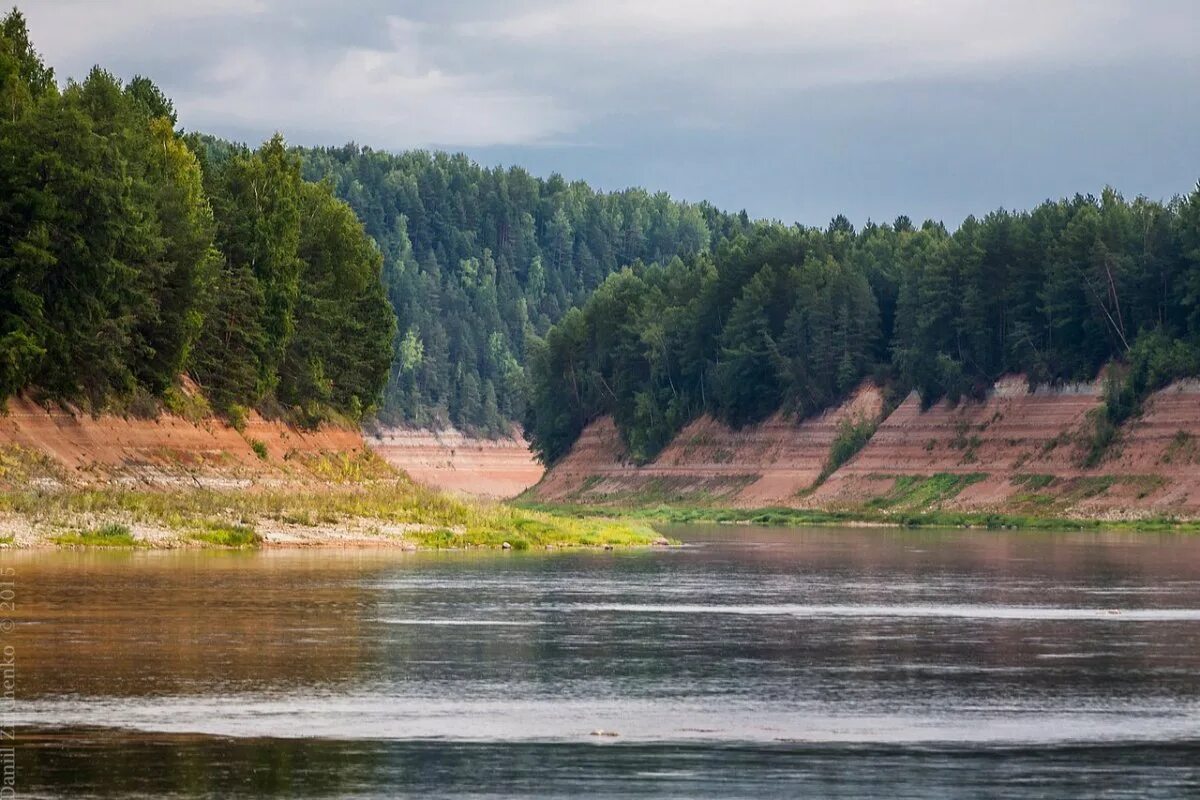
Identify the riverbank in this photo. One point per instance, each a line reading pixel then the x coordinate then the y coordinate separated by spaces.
pixel 1020 452
pixel 395 513
pixel 175 480
pixel 859 517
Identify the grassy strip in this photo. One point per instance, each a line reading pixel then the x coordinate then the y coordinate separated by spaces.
pixel 917 491
pixel 872 516
pixel 230 518
pixel 111 535
pixel 235 537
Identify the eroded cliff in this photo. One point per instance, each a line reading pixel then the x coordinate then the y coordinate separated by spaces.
pixel 1020 450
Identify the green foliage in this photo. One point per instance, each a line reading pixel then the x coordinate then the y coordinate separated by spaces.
pixel 852 435
pixel 188 405
pixel 768 321
pixel 919 492
pixel 1033 482
pixel 341 350
pixel 237 416
pixel 124 264
pixel 110 535
pixel 130 255
pixel 236 537
pixel 479 263
pixel 106 240
pixel 260 448
pixel 793 318
pixel 229 518
pixel 1183 449
pixel 930 518
pixel 1154 361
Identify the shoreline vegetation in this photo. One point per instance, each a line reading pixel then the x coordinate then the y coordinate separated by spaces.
pixel 391 514
pixel 857 517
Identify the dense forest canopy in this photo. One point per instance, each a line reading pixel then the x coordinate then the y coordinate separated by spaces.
pixel 478 262
pixel 126 261
pixel 794 318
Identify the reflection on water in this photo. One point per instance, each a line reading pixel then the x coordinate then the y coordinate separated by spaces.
pixel 752 662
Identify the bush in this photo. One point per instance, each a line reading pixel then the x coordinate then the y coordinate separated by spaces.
pixel 260 448
pixel 1154 361
pixel 111 535
pixel 232 536
pixel 142 405
pixel 237 417
pixel 192 407
pixel 852 436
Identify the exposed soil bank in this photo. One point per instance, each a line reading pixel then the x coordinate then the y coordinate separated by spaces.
pixel 708 461
pixel 453 462
pixel 1017 452
pixel 59 445
pixel 69 479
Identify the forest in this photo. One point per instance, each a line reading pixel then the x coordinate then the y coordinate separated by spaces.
pixel 794 318
pixel 307 283
pixel 132 255
pixel 479 262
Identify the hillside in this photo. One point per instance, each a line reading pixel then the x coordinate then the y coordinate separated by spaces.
pixel 479 262
pixel 1015 452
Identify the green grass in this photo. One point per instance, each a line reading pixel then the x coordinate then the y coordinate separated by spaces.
pixel 1033 481
pixel 1034 501
pixel 916 492
pixel 110 535
pixel 1088 487
pixel 659 490
pixel 228 518
pixel 237 537
pixel 913 519
pixel 589 483
pixel 260 448
pixel 683 514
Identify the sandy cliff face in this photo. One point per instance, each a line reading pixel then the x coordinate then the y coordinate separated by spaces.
pixel 1164 445
pixel 51 445
pixel 450 461
pixel 1014 431
pixel 75 447
pixel 755 466
pixel 1017 451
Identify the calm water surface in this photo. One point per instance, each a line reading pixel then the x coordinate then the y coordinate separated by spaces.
pixel 751 663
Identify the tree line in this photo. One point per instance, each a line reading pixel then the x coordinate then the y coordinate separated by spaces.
pixel 479 262
pixel 793 318
pixel 131 255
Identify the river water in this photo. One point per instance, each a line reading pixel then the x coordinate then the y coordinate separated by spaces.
pixel 748 663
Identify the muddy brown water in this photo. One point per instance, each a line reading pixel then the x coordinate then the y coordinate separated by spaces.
pixel 750 663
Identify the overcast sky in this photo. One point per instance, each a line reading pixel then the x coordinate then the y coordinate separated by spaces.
pixel 793 110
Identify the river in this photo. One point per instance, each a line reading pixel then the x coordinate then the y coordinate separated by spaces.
pixel 749 663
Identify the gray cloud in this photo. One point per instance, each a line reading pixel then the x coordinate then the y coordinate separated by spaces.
pixel 790 109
